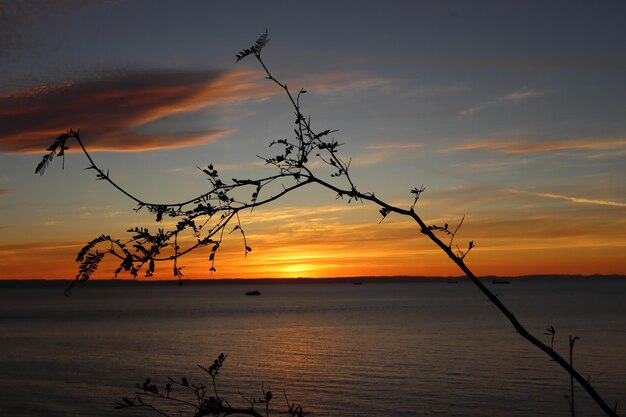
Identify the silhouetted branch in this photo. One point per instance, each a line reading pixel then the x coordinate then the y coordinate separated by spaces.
pixel 153 397
pixel 572 340
pixel 551 331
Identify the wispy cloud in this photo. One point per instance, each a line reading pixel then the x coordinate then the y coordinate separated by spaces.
pixel 380 153
pixel 50 223
pixel 578 200
pixel 339 82
pixel 5 192
pixel 13 248
pixel 491 145
pixel 116 111
pixel 111 109
pixel 559 146
pixel 395 146
pixel 286 214
pixel 513 97
pixel 516 147
pixel 616 153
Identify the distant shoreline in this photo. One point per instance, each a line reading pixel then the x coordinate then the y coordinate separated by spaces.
pixel 11 283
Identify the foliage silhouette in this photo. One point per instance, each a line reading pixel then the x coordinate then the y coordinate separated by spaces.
pixel 207 216
pixel 198 397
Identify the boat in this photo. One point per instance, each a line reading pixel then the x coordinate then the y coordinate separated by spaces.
pixel 357 283
pixel 255 292
pixel 500 281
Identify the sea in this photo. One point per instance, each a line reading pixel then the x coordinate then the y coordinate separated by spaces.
pixel 383 348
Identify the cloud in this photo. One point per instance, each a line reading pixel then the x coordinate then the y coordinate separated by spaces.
pixel 387 152
pixel 115 112
pixel 513 97
pixel 50 223
pixel 289 214
pixel 515 147
pixel 4 192
pixel 492 145
pixel 395 146
pixel 523 94
pixel 578 200
pixel 111 110
pixel 14 248
pixel 339 82
pixel 559 146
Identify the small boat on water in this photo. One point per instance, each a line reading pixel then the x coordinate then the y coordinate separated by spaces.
pixel 357 283
pixel 500 281
pixel 255 292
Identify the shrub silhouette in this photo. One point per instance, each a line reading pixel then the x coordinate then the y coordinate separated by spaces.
pixel 204 400
pixel 207 216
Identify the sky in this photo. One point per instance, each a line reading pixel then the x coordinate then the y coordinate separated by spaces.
pixel 511 114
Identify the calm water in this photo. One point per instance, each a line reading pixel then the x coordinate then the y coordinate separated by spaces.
pixel 423 349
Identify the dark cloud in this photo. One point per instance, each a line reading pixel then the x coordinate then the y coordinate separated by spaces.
pixel 111 110
pixel 119 111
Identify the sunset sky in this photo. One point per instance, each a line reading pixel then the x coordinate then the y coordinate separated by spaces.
pixel 510 113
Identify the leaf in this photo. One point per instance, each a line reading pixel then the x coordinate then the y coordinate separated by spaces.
pixel 261 41
pixel 244 53
pixel 81 254
pixel 254 49
pixel 146 384
pixel 89 266
pixel 45 161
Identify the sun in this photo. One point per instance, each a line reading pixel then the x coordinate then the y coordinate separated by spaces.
pixel 296 270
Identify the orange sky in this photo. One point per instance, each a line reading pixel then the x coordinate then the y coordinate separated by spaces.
pixel 339 240
pixel 521 131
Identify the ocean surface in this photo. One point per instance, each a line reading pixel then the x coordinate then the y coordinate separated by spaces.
pixel 396 349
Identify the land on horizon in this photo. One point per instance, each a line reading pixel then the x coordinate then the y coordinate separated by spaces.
pixel 307 280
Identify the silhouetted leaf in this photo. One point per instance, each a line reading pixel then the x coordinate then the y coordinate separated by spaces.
pixel 81 254
pixel 254 49
pixel 88 266
pixel 45 161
